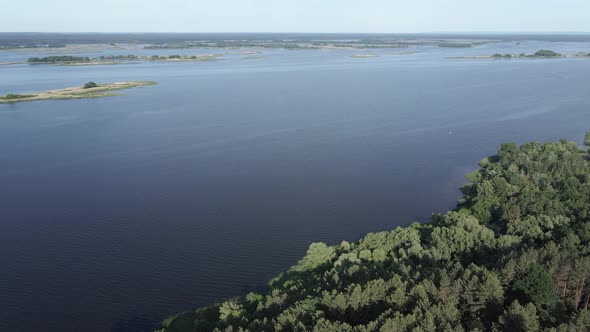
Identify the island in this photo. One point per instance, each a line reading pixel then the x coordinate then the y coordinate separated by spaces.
pixel 536 55
pixel 88 90
pixel 68 60
pixel 513 256
pixel 587 139
pixel 184 58
pixel 58 59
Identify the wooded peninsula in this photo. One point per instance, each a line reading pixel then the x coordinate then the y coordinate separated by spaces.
pixel 513 256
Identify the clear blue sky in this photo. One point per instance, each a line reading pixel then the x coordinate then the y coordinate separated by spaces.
pixel 296 15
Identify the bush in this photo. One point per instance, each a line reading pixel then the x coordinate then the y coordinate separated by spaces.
pixel 547 53
pixel 90 85
pixel 15 96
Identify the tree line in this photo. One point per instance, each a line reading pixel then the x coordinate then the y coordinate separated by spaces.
pixel 59 58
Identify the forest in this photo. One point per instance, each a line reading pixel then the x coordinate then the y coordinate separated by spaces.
pixel 513 256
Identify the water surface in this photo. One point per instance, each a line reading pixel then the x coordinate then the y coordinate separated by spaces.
pixel 120 210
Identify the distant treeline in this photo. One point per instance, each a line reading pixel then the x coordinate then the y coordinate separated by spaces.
pixel 11 47
pixel 538 54
pixel 60 58
pixel 118 57
pixel 182 57
pixel 498 55
pixel 69 58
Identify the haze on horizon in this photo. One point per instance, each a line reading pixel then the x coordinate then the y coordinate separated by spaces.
pixel 330 16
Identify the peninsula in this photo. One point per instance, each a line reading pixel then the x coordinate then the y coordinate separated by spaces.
pixel 89 90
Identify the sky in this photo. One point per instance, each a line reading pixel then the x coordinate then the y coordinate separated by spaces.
pixel 385 16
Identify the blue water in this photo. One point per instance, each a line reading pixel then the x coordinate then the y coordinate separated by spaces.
pixel 119 211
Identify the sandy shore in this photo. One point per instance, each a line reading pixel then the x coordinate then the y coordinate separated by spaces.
pixel 364 56
pixel 102 90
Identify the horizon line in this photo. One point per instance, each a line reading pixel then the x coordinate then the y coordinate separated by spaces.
pixel 296 32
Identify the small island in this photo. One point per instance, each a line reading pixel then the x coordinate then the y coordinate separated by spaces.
pixel 183 58
pixel 88 90
pixel 68 60
pixel 537 55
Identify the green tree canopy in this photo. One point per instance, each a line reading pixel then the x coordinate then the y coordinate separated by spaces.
pixel 536 286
